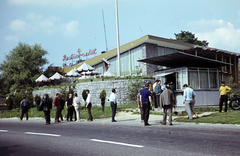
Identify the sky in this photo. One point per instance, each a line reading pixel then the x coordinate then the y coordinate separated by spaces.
pixel 63 26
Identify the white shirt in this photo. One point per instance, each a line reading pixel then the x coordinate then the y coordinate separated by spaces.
pixel 89 98
pixel 76 101
pixel 113 98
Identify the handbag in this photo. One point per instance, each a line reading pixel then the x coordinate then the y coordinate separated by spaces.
pixel 45 109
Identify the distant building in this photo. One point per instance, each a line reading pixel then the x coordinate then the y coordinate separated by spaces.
pixel 173 61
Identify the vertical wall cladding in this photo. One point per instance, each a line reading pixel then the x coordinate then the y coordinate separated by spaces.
pixel 149 50
pixel 95 89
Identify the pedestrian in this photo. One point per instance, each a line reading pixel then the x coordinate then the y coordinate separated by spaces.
pixel 69 106
pixel 62 102
pixel 57 107
pixel 167 103
pixel 76 103
pixel 146 103
pixel 140 106
pixel 188 96
pixel 154 93
pixel 223 96
pixel 74 113
pixel 193 103
pixel 89 105
pixel 164 86
pixel 24 104
pixel 113 101
pixel 46 106
pixel 158 91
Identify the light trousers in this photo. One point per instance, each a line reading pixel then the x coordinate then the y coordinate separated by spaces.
pixel 77 109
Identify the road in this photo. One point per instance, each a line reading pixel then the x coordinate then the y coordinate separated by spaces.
pixel 126 137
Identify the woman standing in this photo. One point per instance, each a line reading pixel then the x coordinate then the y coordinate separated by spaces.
pixel 76 104
pixel 46 106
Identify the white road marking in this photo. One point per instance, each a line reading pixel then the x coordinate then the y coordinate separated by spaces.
pixel 3 130
pixel 42 134
pixel 117 143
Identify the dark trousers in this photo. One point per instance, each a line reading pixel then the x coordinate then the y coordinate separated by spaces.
pixel 155 100
pixel 60 114
pixel 145 109
pixel 47 116
pixel 89 111
pixel 158 100
pixel 74 112
pixel 57 112
pixel 24 111
pixel 70 113
pixel 223 98
pixel 114 109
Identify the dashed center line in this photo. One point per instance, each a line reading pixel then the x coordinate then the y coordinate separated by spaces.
pixel 3 130
pixel 117 143
pixel 46 134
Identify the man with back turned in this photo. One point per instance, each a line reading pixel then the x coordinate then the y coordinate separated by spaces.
pixel 146 103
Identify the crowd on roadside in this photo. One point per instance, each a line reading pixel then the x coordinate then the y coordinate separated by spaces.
pixel 162 96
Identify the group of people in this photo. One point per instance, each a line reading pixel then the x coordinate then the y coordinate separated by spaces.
pixel 72 105
pixel 163 98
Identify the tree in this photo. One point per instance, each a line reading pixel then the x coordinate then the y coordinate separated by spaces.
pixel 22 66
pixel 188 37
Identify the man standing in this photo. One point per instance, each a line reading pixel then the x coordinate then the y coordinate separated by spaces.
pixel 89 105
pixel 62 102
pixel 57 107
pixel 146 103
pixel 69 106
pixel 188 96
pixel 24 104
pixel 167 102
pixel 154 94
pixel 113 101
pixel 139 106
pixel 223 96
pixel 158 91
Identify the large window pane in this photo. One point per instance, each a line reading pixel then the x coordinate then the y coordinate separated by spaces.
pixel 124 60
pixel 203 79
pixel 136 54
pixel 181 78
pixel 113 65
pixel 193 79
pixel 213 79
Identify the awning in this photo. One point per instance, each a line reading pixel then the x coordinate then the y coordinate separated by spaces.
pixel 180 59
pixel 163 74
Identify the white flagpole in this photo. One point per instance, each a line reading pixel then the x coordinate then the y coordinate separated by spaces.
pixel 118 43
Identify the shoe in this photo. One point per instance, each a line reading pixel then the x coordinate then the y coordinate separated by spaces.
pixel 170 124
pixel 197 116
pixel 142 121
pixel 114 121
pixel 162 123
pixel 20 119
pixel 147 124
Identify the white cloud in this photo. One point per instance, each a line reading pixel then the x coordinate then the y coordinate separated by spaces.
pixel 71 28
pixel 34 24
pixel 18 25
pixel 12 38
pixel 219 33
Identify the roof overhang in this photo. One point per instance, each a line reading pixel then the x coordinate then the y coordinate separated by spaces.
pixel 180 59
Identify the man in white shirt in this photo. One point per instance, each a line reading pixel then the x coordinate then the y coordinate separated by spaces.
pixel 113 101
pixel 89 105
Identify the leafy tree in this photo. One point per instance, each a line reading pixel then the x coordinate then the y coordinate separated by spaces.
pixel 188 37
pixel 103 97
pixel 22 66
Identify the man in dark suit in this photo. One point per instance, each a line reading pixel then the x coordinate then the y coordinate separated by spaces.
pixel 146 103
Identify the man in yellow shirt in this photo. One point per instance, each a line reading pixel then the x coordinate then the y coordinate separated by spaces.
pixel 223 96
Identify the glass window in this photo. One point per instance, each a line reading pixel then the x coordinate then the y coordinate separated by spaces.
pixel 161 51
pixel 203 75
pixel 99 68
pixel 193 79
pixel 169 51
pixel 181 78
pixel 113 65
pixel 213 79
pixel 124 62
pixel 136 54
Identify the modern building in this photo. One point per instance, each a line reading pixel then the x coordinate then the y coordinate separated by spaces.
pixel 174 61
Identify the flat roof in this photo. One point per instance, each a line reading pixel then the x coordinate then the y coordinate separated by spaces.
pixel 179 59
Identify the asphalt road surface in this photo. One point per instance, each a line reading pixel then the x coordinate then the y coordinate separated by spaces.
pixel 126 137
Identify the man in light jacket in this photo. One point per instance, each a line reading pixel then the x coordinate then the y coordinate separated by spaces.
pixel 167 102
pixel 113 101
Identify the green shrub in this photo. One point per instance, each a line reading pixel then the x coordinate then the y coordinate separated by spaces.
pixel 84 95
pixel 37 99
pixel 103 97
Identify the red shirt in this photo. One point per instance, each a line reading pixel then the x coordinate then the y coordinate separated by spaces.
pixel 56 101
